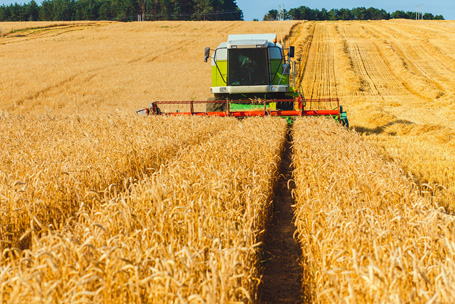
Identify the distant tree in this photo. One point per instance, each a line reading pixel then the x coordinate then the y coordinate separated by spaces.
pixel 302 13
pixel 166 9
pixel 203 9
pixel 385 15
pixel 127 10
pixel 5 13
pixel 410 15
pixel 271 15
pixel 63 10
pixel 183 9
pixel 32 11
pixel 376 14
pixel 141 5
pixel 428 16
pixel 19 12
pixel 45 12
pixel 323 14
pixel 345 14
pixel 294 14
pixel 232 11
pixel 399 15
pixel 107 10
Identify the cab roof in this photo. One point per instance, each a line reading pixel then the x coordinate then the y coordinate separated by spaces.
pixel 251 40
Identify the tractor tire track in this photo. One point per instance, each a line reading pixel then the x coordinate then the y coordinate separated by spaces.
pixel 391 58
pixel 47 32
pixel 370 63
pixel 416 59
pixel 282 278
pixel 151 56
pixel 428 35
pixel 356 54
pixel 422 57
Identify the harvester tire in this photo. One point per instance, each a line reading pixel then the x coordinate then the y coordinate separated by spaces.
pixel 345 122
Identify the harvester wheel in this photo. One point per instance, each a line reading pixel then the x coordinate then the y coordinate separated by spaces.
pixel 215 107
pixel 345 122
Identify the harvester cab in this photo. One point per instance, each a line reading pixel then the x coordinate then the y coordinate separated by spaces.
pixel 248 68
pixel 254 75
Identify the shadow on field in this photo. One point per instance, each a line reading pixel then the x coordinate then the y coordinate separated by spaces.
pixel 381 129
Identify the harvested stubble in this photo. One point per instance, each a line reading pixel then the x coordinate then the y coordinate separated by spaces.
pixel 396 80
pixel 426 153
pixel 187 234
pixel 51 164
pixel 366 234
pixel 31 27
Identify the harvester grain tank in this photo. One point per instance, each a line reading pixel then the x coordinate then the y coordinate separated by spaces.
pixel 254 75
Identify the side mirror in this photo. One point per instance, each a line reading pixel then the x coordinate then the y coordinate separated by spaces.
pixel 291 52
pixel 207 54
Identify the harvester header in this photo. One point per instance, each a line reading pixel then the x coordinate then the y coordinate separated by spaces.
pixel 254 75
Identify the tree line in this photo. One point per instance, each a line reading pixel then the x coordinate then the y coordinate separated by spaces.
pixel 122 10
pixel 358 13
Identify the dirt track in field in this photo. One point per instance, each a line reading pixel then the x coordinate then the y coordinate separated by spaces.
pixel 282 278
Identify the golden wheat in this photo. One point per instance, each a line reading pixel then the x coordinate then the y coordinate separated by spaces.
pixel 99 207
pixel 366 233
pixel 51 164
pixel 20 29
pixel 396 80
pixel 190 232
pixel 103 66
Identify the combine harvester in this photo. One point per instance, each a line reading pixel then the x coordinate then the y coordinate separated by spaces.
pixel 251 76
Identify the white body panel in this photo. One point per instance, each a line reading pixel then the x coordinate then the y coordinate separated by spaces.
pixel 250 89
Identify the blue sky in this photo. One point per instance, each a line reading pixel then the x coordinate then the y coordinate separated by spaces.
pixel 258 8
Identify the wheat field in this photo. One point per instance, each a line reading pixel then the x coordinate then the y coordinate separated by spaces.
pixel 366 233
pixel 100 206
pixel 182 225
pixel 102 67
pixel 396 79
